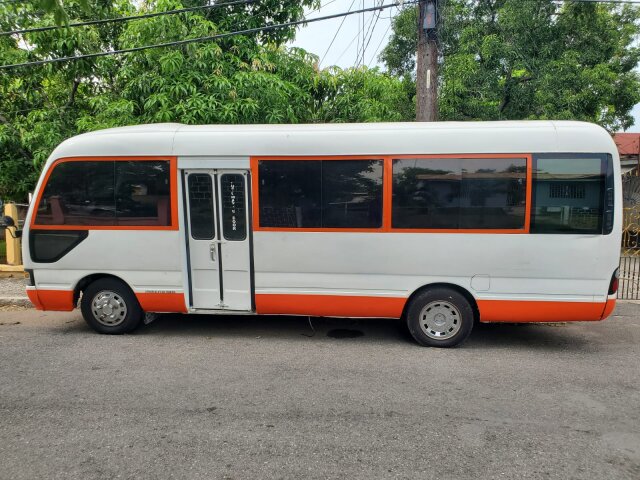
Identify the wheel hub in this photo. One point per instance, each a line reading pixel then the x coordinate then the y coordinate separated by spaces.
pixel 108 308
pixel 440 320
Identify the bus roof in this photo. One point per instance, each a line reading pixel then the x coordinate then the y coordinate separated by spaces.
pixel 173 139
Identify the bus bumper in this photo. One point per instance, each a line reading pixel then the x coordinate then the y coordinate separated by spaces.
pixel 58 300
pixel 609 306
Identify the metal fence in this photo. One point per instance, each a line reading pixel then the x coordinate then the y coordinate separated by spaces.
pixel 629 287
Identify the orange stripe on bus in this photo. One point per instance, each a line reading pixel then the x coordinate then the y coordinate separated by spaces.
pixel 329 305
pixel 33 298
pixel 162 302
pixel 517 311
pixel 608 308
pixel 56 300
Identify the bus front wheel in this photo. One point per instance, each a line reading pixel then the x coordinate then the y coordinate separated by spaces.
pixel 440 317
pixel 109 306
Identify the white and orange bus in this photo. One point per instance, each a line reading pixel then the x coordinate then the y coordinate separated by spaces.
pixel 440 224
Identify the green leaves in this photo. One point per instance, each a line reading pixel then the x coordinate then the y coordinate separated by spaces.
pixel 239 79
pixel 514 59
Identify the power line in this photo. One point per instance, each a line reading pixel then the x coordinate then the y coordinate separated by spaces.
pixel 321 7
pixel 337 31
pixel 347 48
pixel 197 40
pixel 621 2
pixel 363 33
pixel 370 31
pixel 129 18
pixel 379 45
pixel 361 30
pixel 360 27
pixel 360 46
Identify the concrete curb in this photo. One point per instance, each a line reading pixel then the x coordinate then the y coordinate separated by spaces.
pixel 15 301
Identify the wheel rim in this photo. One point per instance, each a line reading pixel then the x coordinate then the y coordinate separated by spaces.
pixel 440 320
pixel 108 308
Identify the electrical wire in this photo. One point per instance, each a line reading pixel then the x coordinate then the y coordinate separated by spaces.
pixel 372 29
pixel 129 18
pixel 336 34
pixel 266 28
pixel 347 48
pixel 621 2
pixel 321 7
pixel 384 35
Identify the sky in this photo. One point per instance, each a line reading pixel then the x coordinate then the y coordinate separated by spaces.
pixel 346 50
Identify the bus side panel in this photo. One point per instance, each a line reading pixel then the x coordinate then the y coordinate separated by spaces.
pixel 150 262
pixel 566 277
pixel 521 311
pixel 609 307
pixel 330 305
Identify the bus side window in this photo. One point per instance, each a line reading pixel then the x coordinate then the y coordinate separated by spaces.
pixel 569 193
pixel 107 193
pixel 78 193
pixel 234 214
pixel 201 206
pixel 320 193
pixel 459 193
pixel 142 193
pixel 609 198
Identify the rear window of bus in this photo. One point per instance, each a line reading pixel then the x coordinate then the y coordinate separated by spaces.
pixel 570 194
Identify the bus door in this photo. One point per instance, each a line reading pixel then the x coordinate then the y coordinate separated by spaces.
pixel 218 239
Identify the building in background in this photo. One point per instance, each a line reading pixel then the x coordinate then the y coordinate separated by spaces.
pixel 629 150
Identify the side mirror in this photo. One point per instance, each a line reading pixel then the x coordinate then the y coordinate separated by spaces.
pixel 7 222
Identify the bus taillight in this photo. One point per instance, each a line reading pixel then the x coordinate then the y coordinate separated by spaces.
pixel 613 286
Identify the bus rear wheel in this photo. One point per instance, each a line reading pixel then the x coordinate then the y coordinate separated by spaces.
pixel 440 317
pixel 109 306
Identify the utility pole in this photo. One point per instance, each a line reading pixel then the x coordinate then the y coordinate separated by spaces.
pixel 427 62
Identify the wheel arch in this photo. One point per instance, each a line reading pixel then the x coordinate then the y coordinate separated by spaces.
pixel 461 290
pixel 87 280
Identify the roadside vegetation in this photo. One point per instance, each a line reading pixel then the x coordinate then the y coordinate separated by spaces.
pixel 503 59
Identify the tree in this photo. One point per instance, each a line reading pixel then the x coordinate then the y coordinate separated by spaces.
pixel 511 59
pixel 239 79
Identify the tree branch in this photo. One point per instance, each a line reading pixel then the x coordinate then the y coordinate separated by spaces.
pixel 507 90
pixel 72 95
pixel 21 150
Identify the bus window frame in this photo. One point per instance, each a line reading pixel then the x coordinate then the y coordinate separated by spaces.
pixel 606 166
pixel 387 192
pixel 173 194
pixel 255 196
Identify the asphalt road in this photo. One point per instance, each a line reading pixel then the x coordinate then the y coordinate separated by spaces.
pixel 244 397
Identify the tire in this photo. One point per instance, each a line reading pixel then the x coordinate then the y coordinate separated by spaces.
pixel 440 317
pixel 122 312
